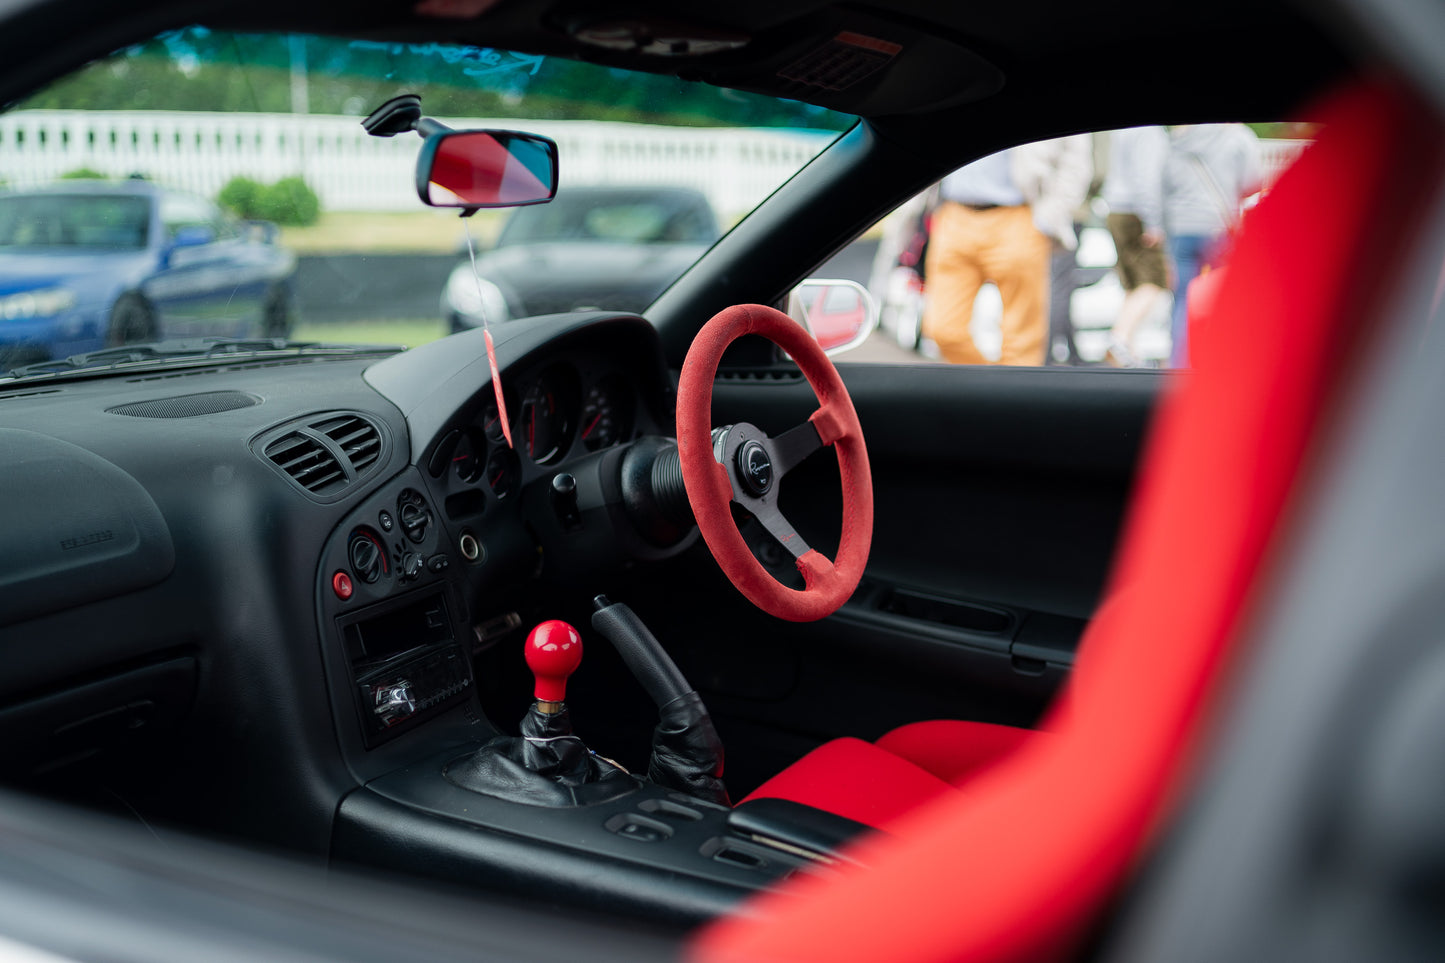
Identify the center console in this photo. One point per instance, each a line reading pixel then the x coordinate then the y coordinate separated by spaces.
pixel 443 794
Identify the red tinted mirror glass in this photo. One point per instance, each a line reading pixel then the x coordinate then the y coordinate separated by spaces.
pixel 488 168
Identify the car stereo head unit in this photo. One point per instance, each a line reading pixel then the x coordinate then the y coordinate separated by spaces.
pixel 405 664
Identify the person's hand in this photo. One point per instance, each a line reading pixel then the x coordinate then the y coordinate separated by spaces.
pixel 1152 238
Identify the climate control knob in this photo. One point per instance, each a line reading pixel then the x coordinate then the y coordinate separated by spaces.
pixel 366 555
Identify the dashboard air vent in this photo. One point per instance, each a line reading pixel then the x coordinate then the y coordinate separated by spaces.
pixel 309 463
pixel 357 438
pixel 325 454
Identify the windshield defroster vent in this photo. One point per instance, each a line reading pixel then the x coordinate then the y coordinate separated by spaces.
pixel 326 454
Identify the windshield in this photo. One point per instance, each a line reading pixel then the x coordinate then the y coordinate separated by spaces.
pixel 279 216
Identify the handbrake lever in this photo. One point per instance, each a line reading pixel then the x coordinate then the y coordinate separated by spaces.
pixel 687 754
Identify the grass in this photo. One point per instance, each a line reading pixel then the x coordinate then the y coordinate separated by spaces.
pixel 426 231
pixel 410 332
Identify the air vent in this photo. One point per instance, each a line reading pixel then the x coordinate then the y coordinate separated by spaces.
pixel 357 438
pixel 187 406
pixel 326 454
pixel 309 463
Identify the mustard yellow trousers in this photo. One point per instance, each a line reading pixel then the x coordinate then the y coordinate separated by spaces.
pixel 968 247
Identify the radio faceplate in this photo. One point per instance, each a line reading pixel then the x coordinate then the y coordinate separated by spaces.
pixel 404 662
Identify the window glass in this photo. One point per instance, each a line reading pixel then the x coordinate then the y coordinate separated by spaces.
pixel 1078 251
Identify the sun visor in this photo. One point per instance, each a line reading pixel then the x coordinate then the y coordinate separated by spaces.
pixel 76 528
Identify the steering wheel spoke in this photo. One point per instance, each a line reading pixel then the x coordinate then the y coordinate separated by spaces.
pixel 789 449
pixel 780 528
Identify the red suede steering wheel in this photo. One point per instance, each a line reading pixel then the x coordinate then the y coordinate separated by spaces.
pixel 741 464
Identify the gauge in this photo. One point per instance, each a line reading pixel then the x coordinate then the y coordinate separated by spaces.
pixel 606 414
pixel 502 472
pixel 545 426
pixel 467 458
pixel 492 425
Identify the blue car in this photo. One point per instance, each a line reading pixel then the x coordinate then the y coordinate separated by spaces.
pixel 90 264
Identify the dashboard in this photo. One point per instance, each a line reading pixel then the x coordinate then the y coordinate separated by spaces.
pixel 264 598
pixel 230 562
pixel 424 572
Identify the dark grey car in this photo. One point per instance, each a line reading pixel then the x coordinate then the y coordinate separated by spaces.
pixel 615 248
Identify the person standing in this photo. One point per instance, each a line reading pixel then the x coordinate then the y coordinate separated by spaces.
pixel 997 220
pixel 1134 192
pixel 1057 176
pixel 1211 168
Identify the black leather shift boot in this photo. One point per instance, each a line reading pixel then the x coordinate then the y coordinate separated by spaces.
pixel 545 766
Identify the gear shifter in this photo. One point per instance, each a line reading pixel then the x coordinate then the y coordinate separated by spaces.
pixel 553 653
pixel 546 765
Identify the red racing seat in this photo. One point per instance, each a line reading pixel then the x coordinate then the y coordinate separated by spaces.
pixel 877 782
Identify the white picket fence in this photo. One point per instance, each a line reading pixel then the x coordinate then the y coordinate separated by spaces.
pixel 352 171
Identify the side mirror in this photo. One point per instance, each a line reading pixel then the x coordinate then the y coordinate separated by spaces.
pixel 838 314
pixel 486 168
pixel 186 238
pixel 192 235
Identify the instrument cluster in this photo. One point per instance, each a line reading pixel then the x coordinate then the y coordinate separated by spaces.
pixel 553 414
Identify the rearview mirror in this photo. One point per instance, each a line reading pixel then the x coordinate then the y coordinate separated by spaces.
pixel 839 314
pixel 486 168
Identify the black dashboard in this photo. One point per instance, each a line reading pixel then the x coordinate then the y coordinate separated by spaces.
pixel 250 598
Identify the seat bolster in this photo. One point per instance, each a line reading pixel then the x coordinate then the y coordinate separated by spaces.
pixel 856 780
pixel 953 749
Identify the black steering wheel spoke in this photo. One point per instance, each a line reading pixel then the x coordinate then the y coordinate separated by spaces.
pixel 793 446
pixel 780 528
pixel 755 465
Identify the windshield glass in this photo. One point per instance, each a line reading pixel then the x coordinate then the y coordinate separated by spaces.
pixel 277 215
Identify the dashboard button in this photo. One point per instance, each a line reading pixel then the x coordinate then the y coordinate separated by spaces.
pixel 386 522
pixel 341 585
pixel 438 563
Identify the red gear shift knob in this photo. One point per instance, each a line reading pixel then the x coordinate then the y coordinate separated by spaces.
pixel 554 650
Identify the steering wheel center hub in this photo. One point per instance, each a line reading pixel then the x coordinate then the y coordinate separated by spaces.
pixel 755 468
